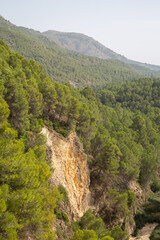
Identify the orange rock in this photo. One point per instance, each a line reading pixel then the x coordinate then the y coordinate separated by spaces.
pixel 70 169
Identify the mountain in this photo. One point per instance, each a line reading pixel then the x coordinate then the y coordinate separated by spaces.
pixel 88 46
pixel 83 44
pixel 62 65
pixel 119 128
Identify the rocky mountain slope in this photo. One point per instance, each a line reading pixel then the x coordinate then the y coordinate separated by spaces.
pixel 70 169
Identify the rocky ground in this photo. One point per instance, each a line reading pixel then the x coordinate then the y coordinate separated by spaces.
pixel 145 232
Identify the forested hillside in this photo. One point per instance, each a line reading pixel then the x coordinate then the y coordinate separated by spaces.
pixel 66 66
pixel 83 44
pixel 118 125
pixel 88 46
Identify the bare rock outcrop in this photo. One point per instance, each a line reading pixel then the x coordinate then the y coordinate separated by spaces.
pixel 70 169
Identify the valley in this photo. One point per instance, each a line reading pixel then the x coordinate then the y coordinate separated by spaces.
pixel 79 140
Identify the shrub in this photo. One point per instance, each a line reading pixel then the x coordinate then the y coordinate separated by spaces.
pixel 63 191
pixel 156 233
pixel 155 186
pixel 65 217
pixel 75 226
pixel 130 198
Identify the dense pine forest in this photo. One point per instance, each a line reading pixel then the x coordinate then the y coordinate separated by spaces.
pixel 119 126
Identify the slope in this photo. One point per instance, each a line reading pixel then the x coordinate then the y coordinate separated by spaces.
pixel 83 44
pixel 122 142
pixel 61 65
pixel 86 45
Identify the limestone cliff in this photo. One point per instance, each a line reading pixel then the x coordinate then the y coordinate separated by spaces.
pixel 70 168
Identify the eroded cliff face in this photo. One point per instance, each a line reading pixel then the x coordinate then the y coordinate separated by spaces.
pixel 70 169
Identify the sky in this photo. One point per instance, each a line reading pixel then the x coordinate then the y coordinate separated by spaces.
pixel 128 27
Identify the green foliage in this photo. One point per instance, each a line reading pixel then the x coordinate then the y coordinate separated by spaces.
pixel 4 112
pixel 75 226
pixel 107 238
pixel 135 126
pixel 121 136
pixel 140 219
pixel 140 95
pixel 118 234
pixel 58 213
pixel 27 200
pixel 65 217
pixel 77 43
pixel 8 222
pixel 155 186
pixel 91 222
pixel 150 213
pixel 84 235
pixel 115 207
pixel 148 167
pixel 31 201
pixel 155 235
pixel 32 96
pixel 86 219
pixel 63 191
pixel 59 232
pixel 65 66
pixel 61 128
pixel 131 198
pixel 94 228
pixel 61 215
pixel 108 159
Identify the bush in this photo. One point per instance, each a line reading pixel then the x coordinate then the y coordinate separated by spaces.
pixel 48 123
pixel 63 191
pixel 65 217
pixel 156 233
pixel 118 234
pixel 58 213
pixel 58 232
pixel 61 128
pixel 130 198
pixel 155 186
pixel 107 238
pixel 75 226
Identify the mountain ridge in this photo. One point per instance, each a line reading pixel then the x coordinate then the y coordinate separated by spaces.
pixel 62 65
pixel 89 46
pixel 62 38
pixel 56 39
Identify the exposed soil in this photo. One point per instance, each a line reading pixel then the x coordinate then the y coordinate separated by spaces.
pixel 145 232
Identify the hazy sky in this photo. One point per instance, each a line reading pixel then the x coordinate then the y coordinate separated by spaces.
pixel 128 27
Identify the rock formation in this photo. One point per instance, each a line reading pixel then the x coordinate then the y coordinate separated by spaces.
pixel 70 168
